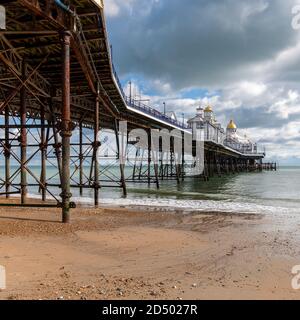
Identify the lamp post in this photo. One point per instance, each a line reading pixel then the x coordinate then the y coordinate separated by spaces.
pixel 130 92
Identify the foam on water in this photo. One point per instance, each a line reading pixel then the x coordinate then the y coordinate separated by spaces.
pixel 200 205
pixel 226 206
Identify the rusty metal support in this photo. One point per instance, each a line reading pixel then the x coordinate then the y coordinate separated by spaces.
pixel 7 153
pixel 155 160
pixel 66 130
pixel 96 146
pixel 43 149
pixel 156 175
pixel 23 83
pixel 57 144
pixel 23 137
pixel 80 158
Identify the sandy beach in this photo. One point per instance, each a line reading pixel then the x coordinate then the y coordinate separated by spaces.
pixel 133 253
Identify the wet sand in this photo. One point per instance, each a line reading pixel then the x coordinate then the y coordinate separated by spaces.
pixel 126 253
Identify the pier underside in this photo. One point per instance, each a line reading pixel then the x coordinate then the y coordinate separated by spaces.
pixel 58 89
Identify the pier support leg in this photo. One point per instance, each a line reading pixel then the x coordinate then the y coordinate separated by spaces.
pixel 80 158
pixel 211 164
pixel 23 138
pixel 121 157
pixel 260 165
pixel 43 150
pixel 96 146
pixel 227 165
pixel 66 131
pixel 206 168
pixel 182 159
pixel 57 144
pixel 7 153
pixel 142 152
pixel 149 158
pixel 171 173
pixel 161 168
pixel 177 164
pixel 232 166
pixel 135 164
pixel 218 166
pixel 156 175
pixel 155 159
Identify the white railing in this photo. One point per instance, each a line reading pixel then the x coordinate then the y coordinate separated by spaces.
pixel 214 134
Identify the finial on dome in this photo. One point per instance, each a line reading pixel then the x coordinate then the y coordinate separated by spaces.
pixel 208 108
pixel 231 125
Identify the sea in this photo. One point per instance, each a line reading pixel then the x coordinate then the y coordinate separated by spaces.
pixel 255 192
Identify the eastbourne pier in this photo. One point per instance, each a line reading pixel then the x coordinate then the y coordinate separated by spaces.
pixel 59 88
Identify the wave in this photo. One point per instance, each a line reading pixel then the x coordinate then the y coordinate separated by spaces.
pixel 201 205
pixel 225 206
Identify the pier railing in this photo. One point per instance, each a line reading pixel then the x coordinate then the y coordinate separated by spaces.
pixel 138 105
pixel 245 149
pixel 213 133
pixel 154 113
pixel 217 135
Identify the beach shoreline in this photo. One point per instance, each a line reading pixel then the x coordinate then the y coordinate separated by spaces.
pixel 134 253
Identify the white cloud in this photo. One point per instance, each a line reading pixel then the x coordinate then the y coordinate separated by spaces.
pixel 252 88
pixel 112 8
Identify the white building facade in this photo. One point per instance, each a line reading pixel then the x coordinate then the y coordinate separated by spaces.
pixel 205 127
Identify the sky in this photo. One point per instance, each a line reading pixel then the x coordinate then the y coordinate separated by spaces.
pixel 242 57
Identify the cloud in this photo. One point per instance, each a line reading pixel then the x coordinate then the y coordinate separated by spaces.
pixel 243 54
pixel 112 8
pixel 205 43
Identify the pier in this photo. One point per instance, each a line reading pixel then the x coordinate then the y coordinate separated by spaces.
pixel 59 89
pixel 269 166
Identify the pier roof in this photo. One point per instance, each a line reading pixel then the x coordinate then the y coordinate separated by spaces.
pixel 34 33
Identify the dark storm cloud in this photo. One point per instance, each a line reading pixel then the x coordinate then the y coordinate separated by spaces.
pixel 200 43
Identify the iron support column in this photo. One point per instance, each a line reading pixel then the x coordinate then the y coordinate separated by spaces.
pixel 121 158
pixel 96 146
pixel 80 159
pixel 43 153
pixel 66 131
pixel 23 137
pixel 155 160
pixel 7 153
pixel 149 157
pixel 183 158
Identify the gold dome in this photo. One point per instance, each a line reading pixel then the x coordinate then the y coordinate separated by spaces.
pixel 208 109
pixel 231 125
